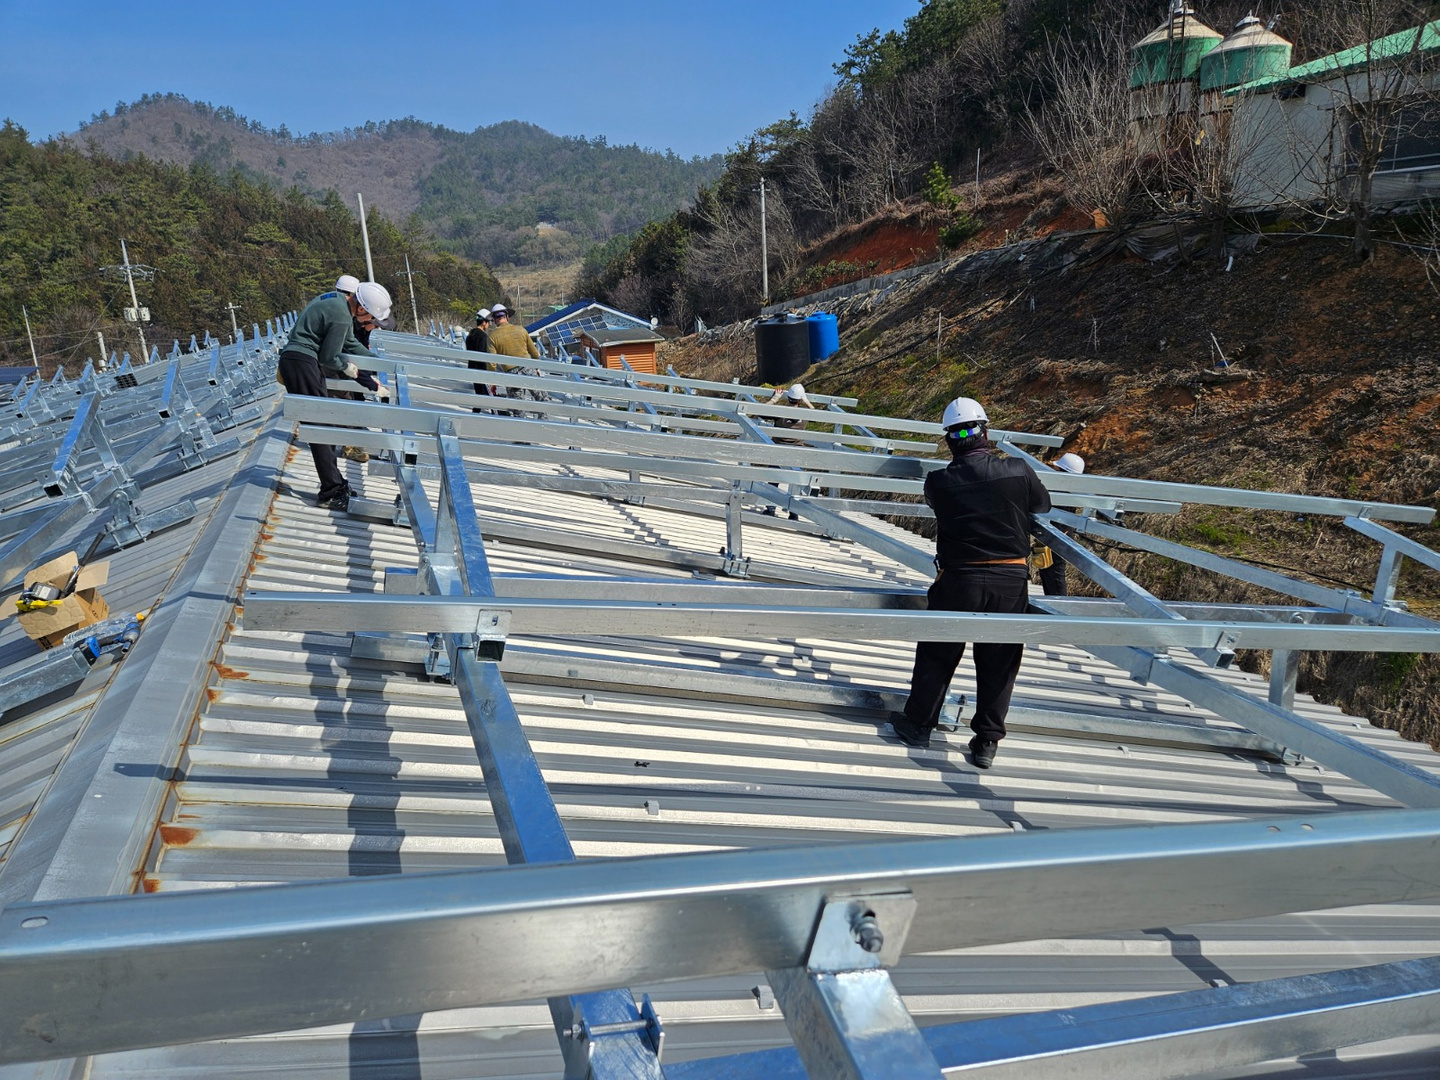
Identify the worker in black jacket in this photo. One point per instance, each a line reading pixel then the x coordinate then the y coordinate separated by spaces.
pixel 478 340
pixel 983 504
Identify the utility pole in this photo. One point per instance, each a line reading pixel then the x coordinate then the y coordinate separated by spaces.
pixel 233 307
pixel 365 235
pixel 141 315
pixel 977 177
pixel 104 356
pixel 35 359
pixel 410 278
pixel 764 251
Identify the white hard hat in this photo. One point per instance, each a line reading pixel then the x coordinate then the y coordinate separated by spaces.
pixel 499 309
pixel 482 314
pixel 964 411
pixel 1071 463
pixel 374 298
pixel 796 393
pixel 347 283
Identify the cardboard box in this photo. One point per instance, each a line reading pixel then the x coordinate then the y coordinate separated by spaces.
pixel 83 607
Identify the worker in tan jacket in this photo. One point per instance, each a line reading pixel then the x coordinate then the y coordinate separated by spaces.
pixel 508 339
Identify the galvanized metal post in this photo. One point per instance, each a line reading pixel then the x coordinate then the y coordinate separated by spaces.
pixel 844 1014
pixel 1284 670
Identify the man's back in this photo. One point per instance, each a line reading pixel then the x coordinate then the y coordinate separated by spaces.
pixel 982 505
pixel 477 340
pixel 507 339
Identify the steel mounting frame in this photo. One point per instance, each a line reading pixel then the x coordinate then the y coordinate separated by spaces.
pixel 826 924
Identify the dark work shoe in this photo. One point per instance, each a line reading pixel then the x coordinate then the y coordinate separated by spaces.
pixel 339 500
pixel 908 733
pixel 982 752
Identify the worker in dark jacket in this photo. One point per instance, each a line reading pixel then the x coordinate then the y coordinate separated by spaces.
pixel 983 504
pixel 478 340
pixel 323 336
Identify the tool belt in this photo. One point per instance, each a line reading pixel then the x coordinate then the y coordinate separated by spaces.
pixel 983 564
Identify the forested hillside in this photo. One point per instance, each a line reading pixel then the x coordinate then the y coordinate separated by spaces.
pixel 213 238
pixel 1034 89
pixel 507 193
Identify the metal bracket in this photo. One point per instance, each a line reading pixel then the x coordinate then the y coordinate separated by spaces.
pixel 437 661
pixel 734 566
pixel 129 526
pixel 861 933
pixel 648 1023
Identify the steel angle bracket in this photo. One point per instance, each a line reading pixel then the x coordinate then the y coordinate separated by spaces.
pixel 389 513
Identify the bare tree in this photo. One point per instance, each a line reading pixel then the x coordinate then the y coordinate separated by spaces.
pixel 634 293
pixel 1083 128
pixel 724 258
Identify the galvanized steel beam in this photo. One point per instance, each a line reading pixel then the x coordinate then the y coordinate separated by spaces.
pixel 1162 1038
pixel 95 976
pixel 331 611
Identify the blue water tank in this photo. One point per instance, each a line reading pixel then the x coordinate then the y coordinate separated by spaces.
pixel 824 336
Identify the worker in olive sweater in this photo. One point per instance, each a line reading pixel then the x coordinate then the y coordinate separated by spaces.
pixel 508 339
pixel 323 336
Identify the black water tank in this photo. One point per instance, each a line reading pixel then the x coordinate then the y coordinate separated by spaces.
pixel 782 347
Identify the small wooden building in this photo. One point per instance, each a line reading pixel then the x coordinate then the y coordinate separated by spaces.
pixel 635 347
pixel 559 332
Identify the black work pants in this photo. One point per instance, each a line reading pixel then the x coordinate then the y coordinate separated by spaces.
pixel 1052 577
pixel 302 375
pixel 999 589
pixel 480 387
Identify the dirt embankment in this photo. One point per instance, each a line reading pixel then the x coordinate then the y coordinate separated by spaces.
pixel 1332 388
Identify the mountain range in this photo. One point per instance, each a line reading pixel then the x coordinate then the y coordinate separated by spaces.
pixel 509 192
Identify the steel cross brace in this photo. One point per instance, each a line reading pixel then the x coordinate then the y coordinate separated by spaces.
pixel 1131 594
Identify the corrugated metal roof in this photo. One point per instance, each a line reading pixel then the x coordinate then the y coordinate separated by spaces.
pixel 1422 39
pixel 307 763
pixel 39 736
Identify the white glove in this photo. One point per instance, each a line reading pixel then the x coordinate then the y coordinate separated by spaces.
pixel 351 371
pixel 383 393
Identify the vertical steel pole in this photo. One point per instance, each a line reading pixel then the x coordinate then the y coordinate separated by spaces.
pixel 1386 575
pixel 1284 669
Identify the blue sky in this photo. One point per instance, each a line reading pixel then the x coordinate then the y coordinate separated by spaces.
pixel 695 78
